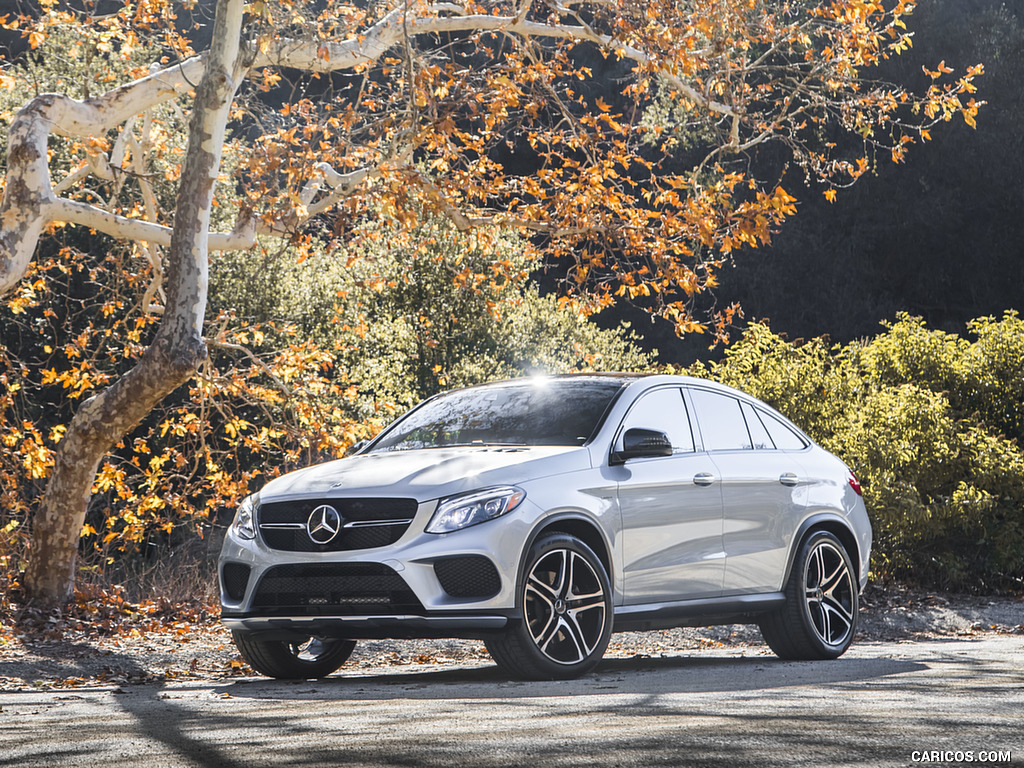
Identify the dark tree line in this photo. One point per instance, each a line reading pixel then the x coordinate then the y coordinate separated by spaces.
pixel 941 237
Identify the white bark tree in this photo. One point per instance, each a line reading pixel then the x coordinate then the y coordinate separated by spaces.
pixel 739 74
pixel 29 203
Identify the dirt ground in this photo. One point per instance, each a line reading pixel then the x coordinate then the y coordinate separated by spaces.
pixel 153 643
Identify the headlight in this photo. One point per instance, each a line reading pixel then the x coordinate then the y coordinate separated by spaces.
pixel 463 511
pixel 244 524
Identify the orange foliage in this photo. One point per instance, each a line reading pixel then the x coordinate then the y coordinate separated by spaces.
pixel 265 402
pixel 428 120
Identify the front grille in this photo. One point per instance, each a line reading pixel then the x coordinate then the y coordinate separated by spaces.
pixel 468 576
pixel 334 589
pixel 366 524
pixel 235 578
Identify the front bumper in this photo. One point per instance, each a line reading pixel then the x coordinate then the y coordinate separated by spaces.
pixel 423 585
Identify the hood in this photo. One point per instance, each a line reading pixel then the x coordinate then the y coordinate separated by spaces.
pixel 426 474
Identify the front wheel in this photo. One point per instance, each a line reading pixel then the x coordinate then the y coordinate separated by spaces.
pixel 566 613
pixel 301 659
pixel 819 618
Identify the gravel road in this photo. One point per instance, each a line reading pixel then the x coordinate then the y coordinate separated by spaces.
pixel 933 679
pixel 949 701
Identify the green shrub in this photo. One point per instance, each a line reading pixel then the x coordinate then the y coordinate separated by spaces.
pixel 999 385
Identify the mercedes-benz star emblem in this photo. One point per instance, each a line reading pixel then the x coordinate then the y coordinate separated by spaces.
pixel 323 524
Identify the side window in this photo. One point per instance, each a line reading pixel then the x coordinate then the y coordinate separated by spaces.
pixel 664 410
pixel 758 434
pixel 721 421
pixel 785 439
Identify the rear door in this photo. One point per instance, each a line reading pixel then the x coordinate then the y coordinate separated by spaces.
pixel 764 488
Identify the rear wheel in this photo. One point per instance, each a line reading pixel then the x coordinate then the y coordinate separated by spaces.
pixel 301 659
pixel 566 613
pixel 819 618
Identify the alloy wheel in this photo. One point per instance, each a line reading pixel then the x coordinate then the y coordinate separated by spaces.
pixel 565 606
pixel 313 649
pixel 829 593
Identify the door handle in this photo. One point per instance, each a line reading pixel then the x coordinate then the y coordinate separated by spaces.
pixel 788 478
pixel 703 478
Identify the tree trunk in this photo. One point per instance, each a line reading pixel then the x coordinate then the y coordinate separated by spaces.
pixel 175 354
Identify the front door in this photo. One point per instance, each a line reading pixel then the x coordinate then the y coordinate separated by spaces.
pixel 671 510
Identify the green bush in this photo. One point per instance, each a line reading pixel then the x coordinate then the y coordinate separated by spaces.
pixel 929 422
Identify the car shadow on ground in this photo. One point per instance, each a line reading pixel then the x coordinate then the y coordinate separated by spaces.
pixel 677 674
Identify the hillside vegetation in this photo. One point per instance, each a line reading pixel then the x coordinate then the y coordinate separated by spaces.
pixel 929 421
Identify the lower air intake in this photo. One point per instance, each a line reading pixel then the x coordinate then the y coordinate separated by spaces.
pixel 334 589
pixel 468 576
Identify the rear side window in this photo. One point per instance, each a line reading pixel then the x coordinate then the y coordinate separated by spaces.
pixel 758 434
pixel 721 422
pixel 785 439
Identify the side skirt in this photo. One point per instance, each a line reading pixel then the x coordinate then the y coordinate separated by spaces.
pixel 736 609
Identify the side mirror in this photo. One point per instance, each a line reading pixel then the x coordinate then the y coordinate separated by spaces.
pixel 356 447
pixel 640 443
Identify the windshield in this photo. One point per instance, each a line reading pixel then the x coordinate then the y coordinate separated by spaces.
pixel 529 412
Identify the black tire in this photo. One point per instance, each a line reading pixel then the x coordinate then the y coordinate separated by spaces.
pixel 565 606
pixel 819 618
pixel 313 657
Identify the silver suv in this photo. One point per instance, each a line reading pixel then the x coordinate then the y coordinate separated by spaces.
pixel 538 515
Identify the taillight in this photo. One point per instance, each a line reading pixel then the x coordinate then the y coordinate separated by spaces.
pixel 855 484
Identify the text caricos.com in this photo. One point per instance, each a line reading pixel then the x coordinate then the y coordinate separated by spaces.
pixel 959 756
